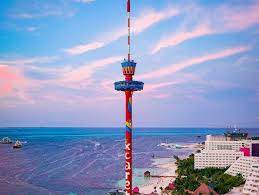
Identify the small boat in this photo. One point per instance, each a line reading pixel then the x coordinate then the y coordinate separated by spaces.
pixel 116 192
pixel 17 144
pixel 178 146
pixel 6 140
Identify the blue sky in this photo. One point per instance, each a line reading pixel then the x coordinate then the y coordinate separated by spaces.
pixel 198 59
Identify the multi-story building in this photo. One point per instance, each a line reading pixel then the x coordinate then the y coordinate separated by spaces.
pixel 216 158
pixel 242 166
pixel 252 182
pixel 223 151
pixel 236 151
pixel 221 143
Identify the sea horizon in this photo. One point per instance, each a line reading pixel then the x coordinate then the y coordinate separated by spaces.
pixel 86 160
pixel 137 127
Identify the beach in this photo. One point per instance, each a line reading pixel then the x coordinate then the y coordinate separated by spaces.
pixel 169 174
pixel 161 181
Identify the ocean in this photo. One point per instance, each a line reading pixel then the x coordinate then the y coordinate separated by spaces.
pixel 85 160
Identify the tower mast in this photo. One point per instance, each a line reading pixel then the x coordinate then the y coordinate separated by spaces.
pixel 128 11
pixel 128 86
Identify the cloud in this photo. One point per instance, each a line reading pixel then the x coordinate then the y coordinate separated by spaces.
pixel 155 86
pixel 11 79
pixel 86 71
pixel 33 60
pixel 180 37
pixel 84 1
pixel 37 15
pixel 150 17
pixel 80 49
pixel 33 9
pixel 232 19
pixel 161 96
pixel 31 28
pixel 147 19
pixel 236 18
pixel 188 63
pixel 18 87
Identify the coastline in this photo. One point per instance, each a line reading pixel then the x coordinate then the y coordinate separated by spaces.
pixel 169 174
pixel 170 170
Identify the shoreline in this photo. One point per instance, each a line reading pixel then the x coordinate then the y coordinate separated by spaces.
pixel 170 170
pixel 169 166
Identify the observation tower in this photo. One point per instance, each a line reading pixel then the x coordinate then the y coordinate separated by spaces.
pixel 128 86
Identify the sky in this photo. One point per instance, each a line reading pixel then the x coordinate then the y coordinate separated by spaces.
pixel 198 59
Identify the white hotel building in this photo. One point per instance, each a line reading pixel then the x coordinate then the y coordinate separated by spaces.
pixel 252 182
pixel 214 158
pixel 243 166
pixel 221 143
pixel 220 152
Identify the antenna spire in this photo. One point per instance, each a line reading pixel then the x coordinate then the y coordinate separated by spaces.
pixel 128 11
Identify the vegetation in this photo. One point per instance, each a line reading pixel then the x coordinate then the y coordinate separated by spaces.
pixel 190 179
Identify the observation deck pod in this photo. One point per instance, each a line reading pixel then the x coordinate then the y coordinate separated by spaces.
pixel 128 67
pixel 128 86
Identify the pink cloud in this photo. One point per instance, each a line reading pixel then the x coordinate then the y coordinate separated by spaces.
pixel 27 61
pixel 85 72
pixel 17 88
pixel 85 1
pixel 151 17
pixel 180 37
pixel 5 88
pixel 80 49
pixel 153 87
pixel 146 20
pixel 77 99
pixel 188 63
pixel 237 19
pixel 161 96
pixel 10 77
pixel 215 21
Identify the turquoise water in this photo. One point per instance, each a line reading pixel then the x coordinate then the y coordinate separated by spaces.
pixel 84 160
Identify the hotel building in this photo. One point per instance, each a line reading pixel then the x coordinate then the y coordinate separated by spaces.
pixel 242 166
pixel 221 143
pixel 223 151
pixel 252 182
pixel 215 158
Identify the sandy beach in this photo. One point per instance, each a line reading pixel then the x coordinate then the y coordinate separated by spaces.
pixel 169 175
pixel 161 181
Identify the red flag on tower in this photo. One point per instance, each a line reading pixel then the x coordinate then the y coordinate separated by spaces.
pixel 128 5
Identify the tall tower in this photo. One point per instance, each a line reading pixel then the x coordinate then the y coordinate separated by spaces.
pixel 128 86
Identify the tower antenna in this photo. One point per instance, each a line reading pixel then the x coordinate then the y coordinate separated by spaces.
pixel 128 11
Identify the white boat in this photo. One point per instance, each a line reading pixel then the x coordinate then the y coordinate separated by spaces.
pixel 177 146
pixel 17 144
pixel 171 146
pixel 6 140
pixel 116 192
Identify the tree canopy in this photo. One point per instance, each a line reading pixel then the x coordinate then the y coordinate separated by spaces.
pixel 190 179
